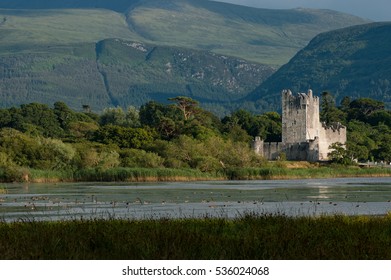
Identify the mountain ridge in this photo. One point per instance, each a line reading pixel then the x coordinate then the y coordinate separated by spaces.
pixel 352 61
pixel 255 34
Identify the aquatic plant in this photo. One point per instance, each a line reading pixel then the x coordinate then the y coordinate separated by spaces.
pixel 247 237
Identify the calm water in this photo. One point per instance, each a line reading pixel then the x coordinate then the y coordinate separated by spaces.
pixel 370 196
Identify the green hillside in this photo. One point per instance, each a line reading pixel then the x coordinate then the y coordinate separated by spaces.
pixel 117 72
pixel 50 74
pixel 91 51
pixel 261 35
pixel 21 30
pixel 115 5
pixel 352 62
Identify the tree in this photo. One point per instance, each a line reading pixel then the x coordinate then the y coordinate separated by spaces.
pixel 345 104
pixel 124 137
pixel 329 113
pixel 165 119
pixel 187 105
pixel 339 154
pixel 362 108
pixel 43 118
pixel 64 114
pixel 132 117
pixel 113 116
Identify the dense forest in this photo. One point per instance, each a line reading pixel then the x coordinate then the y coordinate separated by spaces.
pixel 353 61
pixel 176 136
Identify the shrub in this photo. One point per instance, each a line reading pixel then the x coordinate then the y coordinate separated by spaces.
pixel 140 158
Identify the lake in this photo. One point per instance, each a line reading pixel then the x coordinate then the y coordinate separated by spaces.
pixel 228 199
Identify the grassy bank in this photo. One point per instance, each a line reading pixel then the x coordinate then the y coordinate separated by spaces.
pixel 249 237
pixel 120 174
pixel 275 172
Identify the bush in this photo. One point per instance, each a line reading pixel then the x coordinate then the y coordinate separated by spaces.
pixel 140 158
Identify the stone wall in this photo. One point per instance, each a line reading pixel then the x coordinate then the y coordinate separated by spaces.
pixel 329 135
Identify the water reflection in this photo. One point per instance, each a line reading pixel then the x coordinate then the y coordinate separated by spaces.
pixel 354 196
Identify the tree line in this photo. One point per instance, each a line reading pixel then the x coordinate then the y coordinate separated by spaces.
pixel 176 135
pixel 368 125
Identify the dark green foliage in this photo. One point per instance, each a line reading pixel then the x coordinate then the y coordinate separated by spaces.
pixel 329 113
pixel 362 108
pixel 368 124
pixel 124 137
pixel 267 125
pixel 350 62
pixel 42 118
pixel 251 237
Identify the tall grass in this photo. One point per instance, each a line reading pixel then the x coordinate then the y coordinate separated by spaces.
pixel 247 237
pixel 122 174
pixel 141 174
pixel 275 172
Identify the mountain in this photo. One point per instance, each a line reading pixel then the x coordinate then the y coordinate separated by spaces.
pixel 353 61
pixel 259 35
pixel 90 51
pixel 116 72
pixel 115 5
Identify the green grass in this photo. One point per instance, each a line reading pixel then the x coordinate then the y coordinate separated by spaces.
pixel 55 27
pixel 247 237
pixel 260 35
pixel 275 172
pixel 141 175
pixel 124 174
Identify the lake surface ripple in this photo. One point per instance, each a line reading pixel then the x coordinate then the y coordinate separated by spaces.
pixel 226 199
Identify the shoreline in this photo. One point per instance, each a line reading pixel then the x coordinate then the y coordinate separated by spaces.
pixel 139 175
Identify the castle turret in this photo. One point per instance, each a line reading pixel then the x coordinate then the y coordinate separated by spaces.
pixel 300 117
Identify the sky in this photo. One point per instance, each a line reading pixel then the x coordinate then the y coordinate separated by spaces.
pixel 376 10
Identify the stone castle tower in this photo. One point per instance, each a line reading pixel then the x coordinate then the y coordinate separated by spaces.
pixel 304 137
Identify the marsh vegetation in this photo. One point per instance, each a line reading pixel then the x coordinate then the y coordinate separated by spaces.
pixel 247 237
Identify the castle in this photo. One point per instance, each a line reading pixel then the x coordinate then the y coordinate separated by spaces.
pixel 304 137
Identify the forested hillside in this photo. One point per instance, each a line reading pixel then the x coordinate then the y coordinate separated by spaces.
pixel 352 62
pixel 91 52
pixel 122 73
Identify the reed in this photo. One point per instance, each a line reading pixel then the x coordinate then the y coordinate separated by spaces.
pixel 50 176
pixel 141 174
pixel 247 237
pixel 123 174
pixel 275 172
